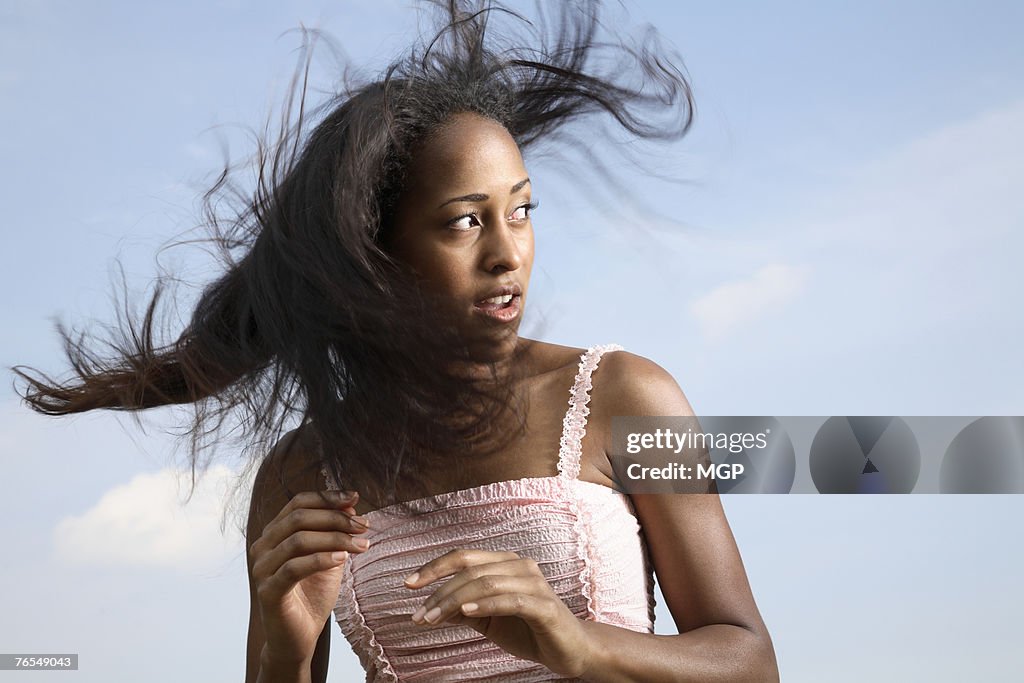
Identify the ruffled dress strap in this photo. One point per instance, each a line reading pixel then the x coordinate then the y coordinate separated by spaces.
pixel 574 424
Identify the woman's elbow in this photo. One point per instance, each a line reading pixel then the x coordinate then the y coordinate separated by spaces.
pixel 763 665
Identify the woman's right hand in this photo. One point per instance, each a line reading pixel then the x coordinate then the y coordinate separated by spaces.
pixel 297 566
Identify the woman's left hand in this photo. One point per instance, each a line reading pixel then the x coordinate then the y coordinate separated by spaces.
pixel 506 598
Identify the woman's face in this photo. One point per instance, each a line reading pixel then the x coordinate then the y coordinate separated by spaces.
pixel 463 224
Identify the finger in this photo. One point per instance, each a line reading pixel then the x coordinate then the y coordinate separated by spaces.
pixel 310 519
pixel 475 591
pixel 521 566
pixel 318 500
pixel 453 562
pixel 539 611
pixel 323 500
pixel 295 570
pixel 303 543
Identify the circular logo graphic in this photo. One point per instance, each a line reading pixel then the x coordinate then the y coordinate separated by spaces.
pixel 865 455
pixel 987 456
pixel 767 468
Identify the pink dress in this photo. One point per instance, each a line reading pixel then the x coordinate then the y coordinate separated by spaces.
pixel 584 536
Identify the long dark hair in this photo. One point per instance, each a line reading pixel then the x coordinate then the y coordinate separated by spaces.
pixel 312 318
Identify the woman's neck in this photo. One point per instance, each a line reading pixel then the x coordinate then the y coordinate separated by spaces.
pixel 498 365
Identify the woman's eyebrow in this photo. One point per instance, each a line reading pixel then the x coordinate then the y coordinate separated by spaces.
pixel 483 197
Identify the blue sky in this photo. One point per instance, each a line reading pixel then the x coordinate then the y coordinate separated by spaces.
pixel 848 243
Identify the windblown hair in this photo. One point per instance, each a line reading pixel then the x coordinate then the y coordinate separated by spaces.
pixel 313 320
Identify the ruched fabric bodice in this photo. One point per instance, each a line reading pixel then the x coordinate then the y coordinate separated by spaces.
pixel 584 537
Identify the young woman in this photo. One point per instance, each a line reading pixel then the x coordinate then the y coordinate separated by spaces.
pixel 448 492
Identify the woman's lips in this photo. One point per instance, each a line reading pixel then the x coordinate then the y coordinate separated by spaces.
pixel 504 313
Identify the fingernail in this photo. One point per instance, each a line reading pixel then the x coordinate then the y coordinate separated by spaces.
pixel 412 578
pixel 432 614
pixel 339 557
pixel 361 520
pixel 361 543
pixel 470 607
pixel 418 614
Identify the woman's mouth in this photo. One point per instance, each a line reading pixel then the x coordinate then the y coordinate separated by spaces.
pixel 504 308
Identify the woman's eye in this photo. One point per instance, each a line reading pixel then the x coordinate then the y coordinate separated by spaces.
pixel 466 222
pixel 523 212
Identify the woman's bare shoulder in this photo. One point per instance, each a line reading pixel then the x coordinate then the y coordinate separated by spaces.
pixel 291 466
pixel 619 369
pixel 636 385
pixel 634 381
pixel 551 356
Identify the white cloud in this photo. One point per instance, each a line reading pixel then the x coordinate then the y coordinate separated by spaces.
pixel 144 523
pixel 950 187
pixel 920 241
pixel 736 305
pixel 913 242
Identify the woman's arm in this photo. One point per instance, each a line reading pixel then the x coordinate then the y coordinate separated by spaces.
pixel 291 541
pixel 259 669
pixel 721 634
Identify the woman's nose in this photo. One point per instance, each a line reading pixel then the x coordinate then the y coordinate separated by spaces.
pixel 502 249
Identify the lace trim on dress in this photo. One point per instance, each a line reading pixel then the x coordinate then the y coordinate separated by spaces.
pixel 574 427
pixel 382 670
pixel 349 609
